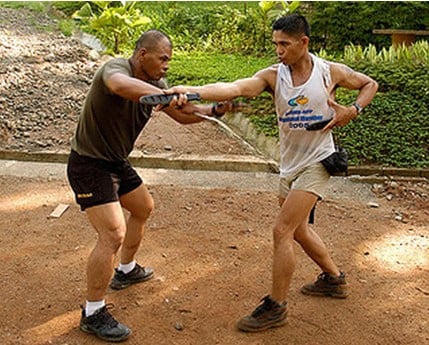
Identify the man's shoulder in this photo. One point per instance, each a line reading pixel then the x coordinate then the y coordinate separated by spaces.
pixel 332 65
pixel 269 76
pixel 118 61
pixel 114 66
pixel 273 68
pixel 268 71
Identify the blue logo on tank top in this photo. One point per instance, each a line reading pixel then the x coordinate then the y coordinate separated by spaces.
pixel 300 100
pixel 299 118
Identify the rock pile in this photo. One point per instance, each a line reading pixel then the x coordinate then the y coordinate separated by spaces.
pixel 44 77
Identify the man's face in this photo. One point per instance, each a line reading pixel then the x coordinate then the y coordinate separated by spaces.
pixel 289 49
pixel 154 64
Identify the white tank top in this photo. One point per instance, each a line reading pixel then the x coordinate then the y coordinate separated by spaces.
pixel 297 107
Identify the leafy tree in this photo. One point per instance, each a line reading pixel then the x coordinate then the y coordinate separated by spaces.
pixel 269 11
pixel 114 25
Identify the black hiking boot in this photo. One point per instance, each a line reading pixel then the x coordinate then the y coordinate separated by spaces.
pixel 137 275
pixel 327 285
pixel 267 315
pixel 103 325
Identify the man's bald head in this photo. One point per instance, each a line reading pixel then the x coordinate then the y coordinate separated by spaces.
pixel 150 40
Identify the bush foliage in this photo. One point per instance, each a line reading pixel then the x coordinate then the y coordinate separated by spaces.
pixel 336 24
pixel 393 130
pixel 225 41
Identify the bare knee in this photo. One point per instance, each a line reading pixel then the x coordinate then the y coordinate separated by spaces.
pixel 109 222
pixel 112 236
pixel 143 210
pixel 282 234
pixel 149 207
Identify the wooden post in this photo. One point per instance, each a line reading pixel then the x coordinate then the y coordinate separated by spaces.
pixel 407 39
pixel 399 37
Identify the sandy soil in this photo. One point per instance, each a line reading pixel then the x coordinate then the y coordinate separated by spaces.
pixel 210 248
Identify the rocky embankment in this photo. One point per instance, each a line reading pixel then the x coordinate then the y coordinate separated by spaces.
pixel 43 79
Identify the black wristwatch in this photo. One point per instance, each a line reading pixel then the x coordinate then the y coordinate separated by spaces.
pixel 214 111
pixel 358 107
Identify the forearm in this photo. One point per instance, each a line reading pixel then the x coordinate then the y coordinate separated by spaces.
pixel 213 92
pixel 367 93
pixel 365 96
pixel 192 113
pixel 247 87
pixel 186 114
pixel 130 88
pixel 344 114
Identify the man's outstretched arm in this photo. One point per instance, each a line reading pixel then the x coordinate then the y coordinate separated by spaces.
pixel 247 87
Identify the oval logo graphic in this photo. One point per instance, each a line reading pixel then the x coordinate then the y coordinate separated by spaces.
pixel 300 100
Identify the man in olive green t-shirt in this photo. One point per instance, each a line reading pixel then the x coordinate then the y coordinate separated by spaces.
pixel 103 180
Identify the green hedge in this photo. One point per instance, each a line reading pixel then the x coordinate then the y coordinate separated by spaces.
pixel 203 68
pixel 335 24
pixel 393 130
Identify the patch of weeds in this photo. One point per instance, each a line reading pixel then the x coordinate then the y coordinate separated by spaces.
pixel 66 26
pixel 38 6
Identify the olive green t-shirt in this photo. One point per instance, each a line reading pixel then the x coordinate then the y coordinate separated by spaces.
pixel 109 125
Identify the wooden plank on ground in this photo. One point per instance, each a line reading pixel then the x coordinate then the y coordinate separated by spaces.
pixel 59 210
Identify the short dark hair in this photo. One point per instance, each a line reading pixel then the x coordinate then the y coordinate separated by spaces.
pixel 150 40
pixel 293 24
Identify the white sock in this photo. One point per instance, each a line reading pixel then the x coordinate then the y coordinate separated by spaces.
pixel 127 268
pixel 93 306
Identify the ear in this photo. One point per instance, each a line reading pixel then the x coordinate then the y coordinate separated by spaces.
pixel 305 40
pixel 142 52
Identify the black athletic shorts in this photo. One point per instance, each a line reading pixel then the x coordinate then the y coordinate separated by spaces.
pixel 96 182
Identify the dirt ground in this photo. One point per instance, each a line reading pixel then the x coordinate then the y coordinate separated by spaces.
pixel 210 248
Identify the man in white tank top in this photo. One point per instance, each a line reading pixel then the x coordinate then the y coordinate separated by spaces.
pixel 303 87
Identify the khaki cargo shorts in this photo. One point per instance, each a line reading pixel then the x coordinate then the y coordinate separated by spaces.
pixel 313 179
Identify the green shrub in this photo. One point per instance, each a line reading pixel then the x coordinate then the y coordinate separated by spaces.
pixel 219 42
pixel 67 7
pixel 66 26
pixel 335 24
pixel 228 27
pixel 116 26
pixel 393 131
pixel 202 68
pixel 402 69
pixel 37 6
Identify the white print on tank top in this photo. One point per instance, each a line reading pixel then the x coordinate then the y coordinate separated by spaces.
pixel 297 107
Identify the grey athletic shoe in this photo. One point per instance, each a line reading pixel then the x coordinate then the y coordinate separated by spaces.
pixel 137 275
pixel 267 315
pixel 103 325
pixel 327 285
